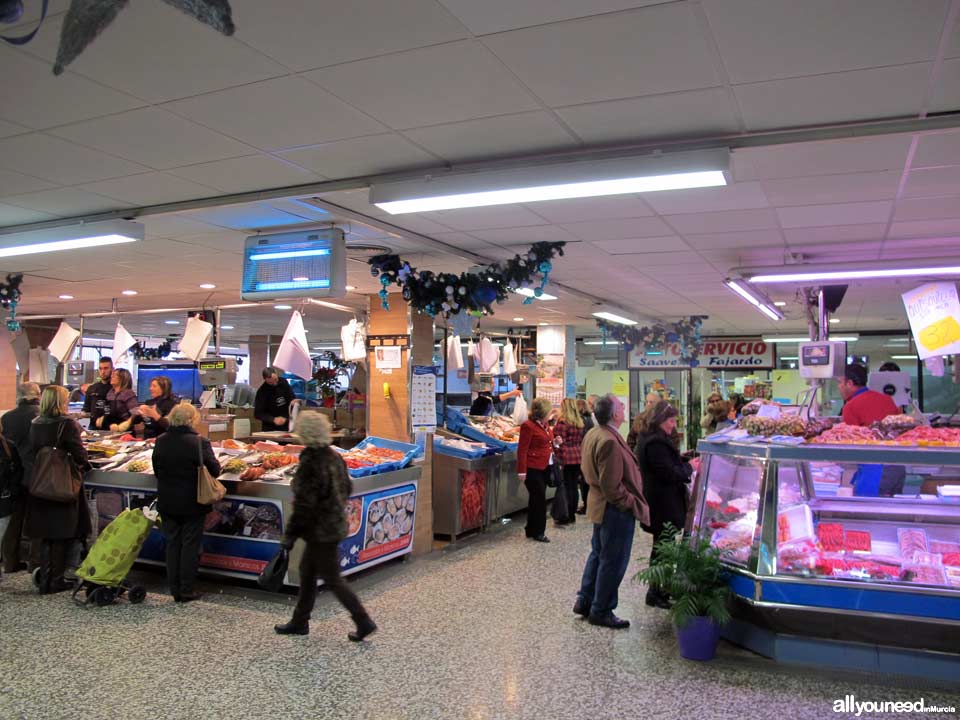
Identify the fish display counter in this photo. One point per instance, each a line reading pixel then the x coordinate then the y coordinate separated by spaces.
pixel 243 531
pixel 828 569
pixel 465 479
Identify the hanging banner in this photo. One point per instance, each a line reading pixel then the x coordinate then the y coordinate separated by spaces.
pixel 719 353
pixel 934 313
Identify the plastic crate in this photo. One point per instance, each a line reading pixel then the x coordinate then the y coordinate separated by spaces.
pixel 411 451
pixel 442 449
pixel 472 433
pixel 454 420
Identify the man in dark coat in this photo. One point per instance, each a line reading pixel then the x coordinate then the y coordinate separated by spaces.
pixel 95 395
pixel 272 403
pixel 666 476
pixel 16 429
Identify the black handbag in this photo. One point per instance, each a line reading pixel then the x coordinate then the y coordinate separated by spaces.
pixel 554 477
pixel 55 476
pixel 560 508
pixel 271 577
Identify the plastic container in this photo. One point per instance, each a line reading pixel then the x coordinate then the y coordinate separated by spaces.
pixel 443 449
pixel 472 433
pixel 410 452
pixel 797 524
pixel 698 639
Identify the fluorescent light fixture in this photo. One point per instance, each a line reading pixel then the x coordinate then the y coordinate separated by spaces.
pixel 789 357
pixel 527 292
pixel 614 314
pixel 128 292
pixel 226 327
pixel 518 319
pixel 543 323
pixel 756 298
pixel 302 278
pixel 171 322
pixel 779 303
pixel 599 342
pixel 283 307
pixel 65 297
pixel 834 321
pixel 208 286
pixel 350 287
pixel 832 338
pixel 70 237
pixel 287 254
pixel 294 285
pixel 557 181
pixel 868 270
pixel 903 357
pixel 655 352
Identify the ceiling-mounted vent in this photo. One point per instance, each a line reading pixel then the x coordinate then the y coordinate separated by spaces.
pixel 358 251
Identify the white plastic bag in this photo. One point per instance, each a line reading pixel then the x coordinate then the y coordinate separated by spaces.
pixel 454 356
pixel 509 359
pixel 487 355
pixel 353 340
pixel 519 414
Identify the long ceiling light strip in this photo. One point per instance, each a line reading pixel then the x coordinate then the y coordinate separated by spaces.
pixel 869 270
pixel 614 317
pixel 760 301
pixel 70 237
pixel 798 339
pixel 554 181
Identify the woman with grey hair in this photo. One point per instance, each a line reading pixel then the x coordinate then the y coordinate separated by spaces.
pixel 321 488
pixel 176 461
pixel 534 460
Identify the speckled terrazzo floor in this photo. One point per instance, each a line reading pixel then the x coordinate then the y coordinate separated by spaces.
pixel 482 630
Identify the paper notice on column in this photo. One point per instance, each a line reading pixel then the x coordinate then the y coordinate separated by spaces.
pixel 62 344
pixel 21 348
pixel 294 354
pixel 39 366
pixel 934 313
pixel 122 341
pixel 196 338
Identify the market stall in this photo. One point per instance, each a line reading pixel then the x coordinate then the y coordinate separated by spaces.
pixel 242 531
pixel 820 575
pixel 465 480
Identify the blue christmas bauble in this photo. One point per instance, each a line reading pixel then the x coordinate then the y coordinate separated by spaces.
pixel 545 266
pixel 694 362
pixel 384 280
pixel 374 271
pixel 672 337
pixel 538 292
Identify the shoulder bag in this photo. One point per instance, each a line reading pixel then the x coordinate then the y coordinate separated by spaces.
pixel 273 573
pixel 209 489
pixel 56 476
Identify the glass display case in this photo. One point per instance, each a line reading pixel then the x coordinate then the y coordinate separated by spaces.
pixel 840 542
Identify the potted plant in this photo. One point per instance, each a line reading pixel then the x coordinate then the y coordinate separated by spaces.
pixel 691 572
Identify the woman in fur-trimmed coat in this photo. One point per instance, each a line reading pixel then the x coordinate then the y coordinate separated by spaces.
pixel 321 488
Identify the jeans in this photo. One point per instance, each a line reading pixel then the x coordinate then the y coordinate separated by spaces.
pixel 608 560
pixel 184 535
pixel 320 560
pixel 536 484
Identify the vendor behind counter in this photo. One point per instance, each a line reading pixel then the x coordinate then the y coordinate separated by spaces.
pixel 272 404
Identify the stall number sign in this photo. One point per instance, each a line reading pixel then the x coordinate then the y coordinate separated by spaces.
pixel 934 311
pixel 716 354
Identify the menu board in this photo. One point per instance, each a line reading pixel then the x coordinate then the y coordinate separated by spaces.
pixel 934 313
pixel 423 398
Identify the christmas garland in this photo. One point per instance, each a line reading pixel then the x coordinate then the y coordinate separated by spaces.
pixel 448 294
pixel 9 297
pixel 655 337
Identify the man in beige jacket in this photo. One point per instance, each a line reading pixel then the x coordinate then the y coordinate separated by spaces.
pixel 614 505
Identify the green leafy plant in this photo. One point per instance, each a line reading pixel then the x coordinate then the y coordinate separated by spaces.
pixel 691 571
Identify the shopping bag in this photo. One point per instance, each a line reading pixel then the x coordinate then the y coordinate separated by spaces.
pixel 209 489
pixel 271 577
pixel 56 476
pixel 519 414
pixel 560 509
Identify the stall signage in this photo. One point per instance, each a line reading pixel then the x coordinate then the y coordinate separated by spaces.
pixel 934 313
pixel 722 353
pixel 213 365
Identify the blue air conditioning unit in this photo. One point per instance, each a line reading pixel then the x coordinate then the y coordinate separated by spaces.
pixel 309 263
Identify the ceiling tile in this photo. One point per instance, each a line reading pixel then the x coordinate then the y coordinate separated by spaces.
pixel 510 237
pixel 157 53
pixel 826 158
pixel 937 149
pixel 309 34
pixel 38 99
pixel 730 221
pixel 813 235
pixel 667 243
pixel 768 39
pixel 486 138
pixel 457 81
pixel 249 216
pixel 925 228
pixel 840 214
pixel 595 208
pixel 933 182
pixel 838 97
pixel 833 188
pixel 59 161
pixel 497 15
pixel 463 241
pixel 744 238
pixel 151 188
pixel 739 196
pixel 156 138
pixel 65 202
pixel 416 223
pixel 254 172
pixel 12 215
pixel 946 95
pixel 658 259
pixel 676 115
pixel 14 183
pixel 641 52
pixel 485 218
pixel 8 128
pixel 927 208
pixel 925 247
pixel 361 156
pixel 310 114
pixel 619 228
pixel 174 226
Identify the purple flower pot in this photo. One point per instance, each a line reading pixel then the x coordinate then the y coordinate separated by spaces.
pixel 698 639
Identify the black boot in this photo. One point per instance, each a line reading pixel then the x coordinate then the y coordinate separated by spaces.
pixel 365 627
pixel 292 628
pixel 658 599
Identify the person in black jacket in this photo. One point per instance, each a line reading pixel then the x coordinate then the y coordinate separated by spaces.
pixel 152 421
pixel 56 524
pixel 272 404
pixel 16 429
pixel 321 488
pixel 665 478
pixel 95 394
pixel 176 461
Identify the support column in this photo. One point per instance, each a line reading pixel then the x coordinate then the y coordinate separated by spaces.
pixel 8 373
pixel 389 417
pixel 259 358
